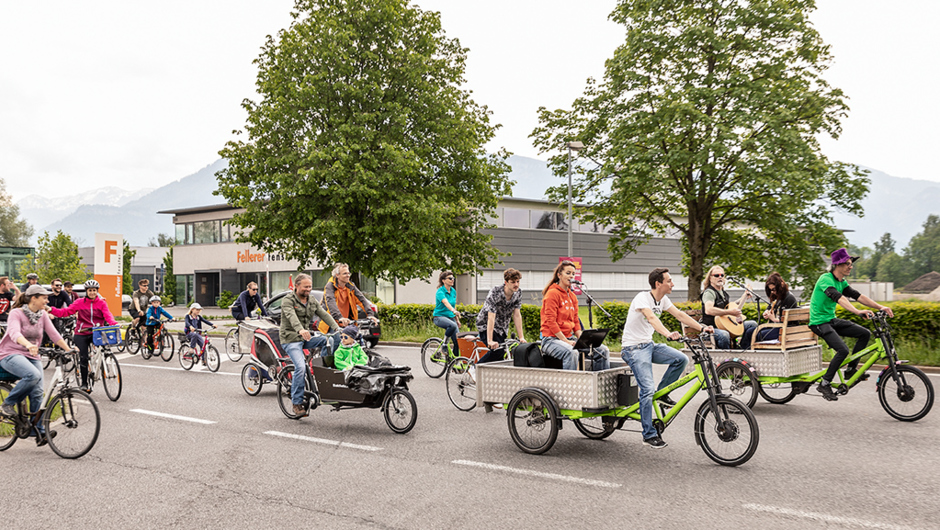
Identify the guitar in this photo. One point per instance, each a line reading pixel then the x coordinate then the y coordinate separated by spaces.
pixel 730 323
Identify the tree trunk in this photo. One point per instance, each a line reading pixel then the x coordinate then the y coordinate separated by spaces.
pixel 697 242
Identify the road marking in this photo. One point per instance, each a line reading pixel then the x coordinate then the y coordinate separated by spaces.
pixel 180 369
pixel 529 472
pixel 323 441
pixel 833 519
pixel 172 416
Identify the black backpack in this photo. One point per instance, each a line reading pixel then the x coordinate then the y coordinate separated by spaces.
pixel 528 355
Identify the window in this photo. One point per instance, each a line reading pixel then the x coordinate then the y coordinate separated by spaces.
pixel 515 218
pixel 206 232
pixel 227 232
pixel 180 234
pixel 544 220
pixel 189 234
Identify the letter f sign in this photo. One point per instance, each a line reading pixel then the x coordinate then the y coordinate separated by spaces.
pixel 109 250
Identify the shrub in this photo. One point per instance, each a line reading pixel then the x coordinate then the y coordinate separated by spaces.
pixel 226 298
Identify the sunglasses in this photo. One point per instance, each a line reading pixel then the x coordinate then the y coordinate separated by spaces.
pixel 449 278
pixel 57 285
pixel 718 275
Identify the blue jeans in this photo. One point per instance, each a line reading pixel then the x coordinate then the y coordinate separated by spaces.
pixel 553 347
pixel 295 350
pixel 450 332
pixel 30 384
pixel 641 358
pixel 196 340
pixel 723 338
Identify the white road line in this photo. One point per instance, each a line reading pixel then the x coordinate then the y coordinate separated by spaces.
pixel 172 416
pixel 323 441
pixel 177 369
pixel 529 472
pixel 821 517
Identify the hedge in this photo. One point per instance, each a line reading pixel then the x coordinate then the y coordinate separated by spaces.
pixel 420 315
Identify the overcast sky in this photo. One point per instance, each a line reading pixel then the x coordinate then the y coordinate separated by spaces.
pixel 130 94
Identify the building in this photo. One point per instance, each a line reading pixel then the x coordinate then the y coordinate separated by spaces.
pixel 11 258
pixel 146 263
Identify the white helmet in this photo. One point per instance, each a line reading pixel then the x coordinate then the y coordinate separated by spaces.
pixel 92 284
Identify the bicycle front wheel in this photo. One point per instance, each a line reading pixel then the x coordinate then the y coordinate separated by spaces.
pixel 7 425
pixel 731 437
pixel 401 411
pixel 739 380
pixel 187 357
pixel 461 383
pixel 433 357
pixel 252 380
pixel 110 376
pixel 132 339
pixel 283 394
pixel 72 423
pixel 907 398
pixel 167 347
pixel 533 423
pixel 232 348
pixel 213 361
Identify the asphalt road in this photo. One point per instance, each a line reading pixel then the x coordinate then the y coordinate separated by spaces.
pixel 230 460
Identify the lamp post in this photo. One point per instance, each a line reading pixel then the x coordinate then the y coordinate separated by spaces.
pixel 572 146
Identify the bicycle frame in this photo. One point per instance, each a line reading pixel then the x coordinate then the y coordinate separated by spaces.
pixel 58 379
pixel 200 354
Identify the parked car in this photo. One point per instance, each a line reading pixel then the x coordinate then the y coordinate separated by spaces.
pixel 273 307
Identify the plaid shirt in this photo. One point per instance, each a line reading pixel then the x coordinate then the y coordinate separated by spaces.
pixel 496 303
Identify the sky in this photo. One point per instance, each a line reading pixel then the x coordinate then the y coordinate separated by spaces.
pixel 134 95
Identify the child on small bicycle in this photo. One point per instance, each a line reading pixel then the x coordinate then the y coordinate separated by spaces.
pixel 349 353
pixel 154 312
pixel 192 325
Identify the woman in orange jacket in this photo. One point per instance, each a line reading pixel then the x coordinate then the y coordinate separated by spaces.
pixel 561 326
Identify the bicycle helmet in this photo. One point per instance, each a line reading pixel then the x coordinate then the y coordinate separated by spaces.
pixel 92 284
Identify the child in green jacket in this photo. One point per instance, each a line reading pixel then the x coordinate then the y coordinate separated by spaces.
pixel 350 352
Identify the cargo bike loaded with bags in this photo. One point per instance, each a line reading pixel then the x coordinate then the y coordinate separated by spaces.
pixel 380 385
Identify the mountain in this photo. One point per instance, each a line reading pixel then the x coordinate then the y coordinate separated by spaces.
pixel 138 219
pixel 39 210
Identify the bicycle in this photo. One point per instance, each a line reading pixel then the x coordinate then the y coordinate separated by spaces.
pixel 232 347
pixel 461 375
pixel 69 417
pixel 162 341
pixel 433 359
pixel 905 392
pixel 103 366
pixel 208 355
pixel 133 338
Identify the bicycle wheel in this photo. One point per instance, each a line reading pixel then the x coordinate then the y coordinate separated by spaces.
pixel 461 383
pixel 738 379
pixel 777 393
pixel 212 359
pixel 110 376
pixel 132 339
pixel 433 358
pixel 72 423
pixel 232 348
pixel 910 397
pixel 187 357
pixel 7 425
pixel 283 394
pixel 167 347
pixel 595 428
pixel 145 350
pixel 730 439
pixel 252 381
pixel 533 424
pixel 401 411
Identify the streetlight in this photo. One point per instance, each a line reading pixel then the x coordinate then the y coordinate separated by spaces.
pixel 572 146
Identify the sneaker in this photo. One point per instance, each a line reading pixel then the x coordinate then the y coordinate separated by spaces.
pixel 827 392
pixel 42 439
pixel 667 400
pixel 655 442
pixel 7 410
pixel 300 411
pixel 850 373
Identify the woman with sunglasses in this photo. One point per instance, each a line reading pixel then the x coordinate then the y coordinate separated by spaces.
pixel 445 313
pixel 716 301
pixel 248 300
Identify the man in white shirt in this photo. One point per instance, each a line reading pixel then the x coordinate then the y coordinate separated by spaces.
pixel 640 352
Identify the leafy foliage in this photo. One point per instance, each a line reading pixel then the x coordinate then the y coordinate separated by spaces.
pixel 226 299
pixel 169 280
pixel 421 314
pixel 127 282
pixel 705 125
pixel 364 148
pixel 56 257
pixel 162 240
pixel 14 232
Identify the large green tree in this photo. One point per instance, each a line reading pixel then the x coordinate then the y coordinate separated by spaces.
pixel 923 250
pixel 14 232
pixel 706 125
pixel 364 147
pixel 56 257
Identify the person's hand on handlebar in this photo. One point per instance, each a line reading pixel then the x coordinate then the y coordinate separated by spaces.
pixel 708 329
pixel 887 310
pixel 305 334
pixel 33 349
pixel 866 314
pixel 373 319
pixel 675 335
pixel 343 322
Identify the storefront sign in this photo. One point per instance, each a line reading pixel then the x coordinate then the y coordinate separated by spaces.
pixel 109 269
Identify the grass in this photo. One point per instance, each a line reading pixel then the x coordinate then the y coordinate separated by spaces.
pixel 923 352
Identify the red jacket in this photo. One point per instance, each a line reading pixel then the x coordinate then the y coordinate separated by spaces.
pixel 90 313
pixel 559 312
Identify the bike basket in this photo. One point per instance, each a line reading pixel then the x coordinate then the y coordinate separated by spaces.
pixel 106 335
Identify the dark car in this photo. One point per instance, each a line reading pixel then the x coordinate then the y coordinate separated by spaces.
pixel 273 307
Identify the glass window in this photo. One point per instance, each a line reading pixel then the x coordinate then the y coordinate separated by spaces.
pixel 515 218
pixel 206 232
pixel 495 217
pixel 543 220
pixel 226 232
pixel 189 234
pixel 180 234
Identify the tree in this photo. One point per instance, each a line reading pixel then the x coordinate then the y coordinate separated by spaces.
pixel 127 282
pixel 705 125
pixel 895 268
pixel 364 148
pixel 923 250
pixel 169 280
pixel 862 267
pixel 56 257
pixel 14 232
pixel 162 240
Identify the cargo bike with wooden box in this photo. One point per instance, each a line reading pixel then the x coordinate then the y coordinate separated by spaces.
pixel 599 403
pixel 780 370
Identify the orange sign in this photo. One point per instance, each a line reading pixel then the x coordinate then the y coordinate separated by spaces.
pixel 109 269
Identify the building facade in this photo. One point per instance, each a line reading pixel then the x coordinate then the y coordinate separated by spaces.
pixel 11 258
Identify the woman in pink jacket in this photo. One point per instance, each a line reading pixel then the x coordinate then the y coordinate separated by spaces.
pixel 92 310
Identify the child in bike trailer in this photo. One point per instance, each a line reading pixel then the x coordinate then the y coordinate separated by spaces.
pixel 349 353
pixel 154 312
pixel 193 323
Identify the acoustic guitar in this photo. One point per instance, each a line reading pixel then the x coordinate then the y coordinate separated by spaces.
pixel 730 323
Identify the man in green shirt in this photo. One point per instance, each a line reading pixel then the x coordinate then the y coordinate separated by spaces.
pixel 831 289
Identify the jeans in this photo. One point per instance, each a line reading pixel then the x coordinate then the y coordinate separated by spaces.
pixel 641 358
pixel 450 332
pixel 196 340
pixel 553 347
pixel 830 332
pixel 30 384
pixel 723 338
pixel 295 350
